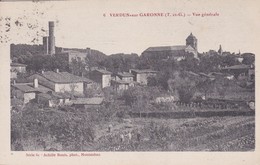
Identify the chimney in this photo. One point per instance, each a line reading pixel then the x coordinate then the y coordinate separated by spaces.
pixel 14 82
pixel 51 38
pixel 57 70
pixel 45 45
pixel 35 83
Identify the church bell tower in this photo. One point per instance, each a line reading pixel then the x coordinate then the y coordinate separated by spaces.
pixel 192 41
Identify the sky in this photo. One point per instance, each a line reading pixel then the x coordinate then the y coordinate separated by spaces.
pixel 81 24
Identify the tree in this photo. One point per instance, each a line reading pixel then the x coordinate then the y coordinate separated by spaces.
pixel 160 80
pixel 138 98
pixel 189 64
pixel 77 67
pixel 185 85
pixel 205 86
pixel 248 58
pixel 222 85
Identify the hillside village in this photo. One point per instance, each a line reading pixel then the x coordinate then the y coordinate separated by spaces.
pixel 99 100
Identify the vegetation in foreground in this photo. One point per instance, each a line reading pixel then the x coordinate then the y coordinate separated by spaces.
pixel 39 130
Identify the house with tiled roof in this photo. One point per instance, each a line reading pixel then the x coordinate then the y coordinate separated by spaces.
pixel 102 77
pixel 177 52
pixel 53 99
pixel 62 81
pixel 16 68
pixel 27 91
pixel 141 75
pixel 125 76
pixel 21 68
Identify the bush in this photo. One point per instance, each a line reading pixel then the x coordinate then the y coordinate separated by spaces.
pixel 184 85
pixel 185 94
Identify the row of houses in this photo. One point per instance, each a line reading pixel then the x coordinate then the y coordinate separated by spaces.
pixel 51 88
pixel 55 88
pixel 122 80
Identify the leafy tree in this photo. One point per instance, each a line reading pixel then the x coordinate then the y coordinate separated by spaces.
pixel 206 86
pixel 189 64
pixel 248 58
pixel 222 86
pixel 185 86
pixel 77 67
pixel 229 60
pixel 139 97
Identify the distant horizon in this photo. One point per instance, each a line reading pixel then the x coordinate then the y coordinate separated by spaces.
pixel 83 25
pixel 124 52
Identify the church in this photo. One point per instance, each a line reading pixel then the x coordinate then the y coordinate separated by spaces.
pixel 177 52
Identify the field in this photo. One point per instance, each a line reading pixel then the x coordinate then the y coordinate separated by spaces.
pixel 196 134
pixel 55 130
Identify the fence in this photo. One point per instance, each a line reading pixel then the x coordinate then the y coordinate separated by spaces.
pixel 192 114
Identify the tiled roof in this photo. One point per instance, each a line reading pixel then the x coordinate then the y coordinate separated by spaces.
pixel 205 75
pixel 237 67
pixel 167 48
pixel 191 36
pixel 41 88
pixel 24 87
pixel 143 71
pixel 17 64
pixel 216 74
pixel 123 82
pixel 103 71
pixel 14 70
pixel 64 77
pixel 125 74
pixel 28 87
pixel 88 101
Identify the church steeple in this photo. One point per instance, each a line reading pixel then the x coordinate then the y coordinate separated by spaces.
pixel 192 41
pixel 220 51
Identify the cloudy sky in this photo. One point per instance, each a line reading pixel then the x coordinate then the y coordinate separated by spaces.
pixel 81 24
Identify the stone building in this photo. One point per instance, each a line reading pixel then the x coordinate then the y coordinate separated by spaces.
pixel 17 67
pixel 69 55
pixel 27 91
pixel 62 81
pixel 177 52
pixel 102 77
pixel 141 76
pixel 122 81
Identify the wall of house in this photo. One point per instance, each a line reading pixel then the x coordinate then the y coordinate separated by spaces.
pixel 28 97
pixel 96 76
pixel 142 77
pixel 13 75
pixel 88 85
pixel 68 87
pixel 127 78
pixel 106 81
pixel 21 69
pixel 103 79
pixel 54 103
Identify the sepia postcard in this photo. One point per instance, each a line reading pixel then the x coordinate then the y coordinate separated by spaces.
pixel 129 82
